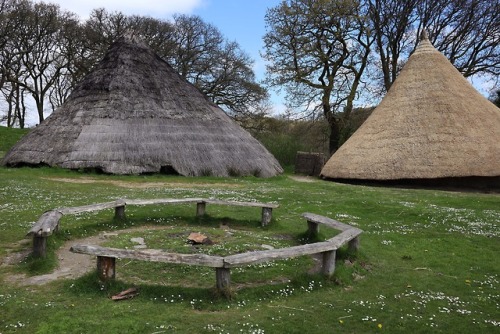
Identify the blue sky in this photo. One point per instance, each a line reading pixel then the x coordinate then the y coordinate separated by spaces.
pixel 241 21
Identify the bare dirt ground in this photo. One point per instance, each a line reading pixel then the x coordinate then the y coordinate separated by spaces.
pixel 71 265
pixel 302 178
pixel 144 185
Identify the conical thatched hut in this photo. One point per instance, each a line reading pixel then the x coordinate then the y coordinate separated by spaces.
pixel 432 127
pixel 134 114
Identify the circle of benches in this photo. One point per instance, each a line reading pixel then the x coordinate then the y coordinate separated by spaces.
pixel 106 257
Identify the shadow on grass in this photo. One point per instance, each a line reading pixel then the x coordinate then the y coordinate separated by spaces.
pixel 99 224
pixel 349 268
pixel 33 266
pixel 89 286
pixel 310 238
pixel 203 299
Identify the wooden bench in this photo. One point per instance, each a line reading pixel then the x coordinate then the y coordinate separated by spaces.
pixel 106 257
pixel 267 208
pixel 349 233
pixel 48 222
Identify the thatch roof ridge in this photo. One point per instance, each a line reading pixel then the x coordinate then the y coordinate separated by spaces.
pixel 424 35
pixel 431 124
pixel 131 37
pixel 134 114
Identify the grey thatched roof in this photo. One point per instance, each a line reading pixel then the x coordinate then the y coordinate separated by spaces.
pixel 432 124
pixel 134 114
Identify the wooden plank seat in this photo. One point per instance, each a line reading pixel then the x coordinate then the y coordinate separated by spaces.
pixel 267 208
pixel 48 222
pixel 106 256
pixel 349 233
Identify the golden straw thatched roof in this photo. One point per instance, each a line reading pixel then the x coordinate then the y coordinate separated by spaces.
pixel 134 114
pixel 432 124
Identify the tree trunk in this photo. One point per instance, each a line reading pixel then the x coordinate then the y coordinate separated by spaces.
pixel 333 123
pixel 334 139
pixel 39 108
pixel 21 110
pixel 11 117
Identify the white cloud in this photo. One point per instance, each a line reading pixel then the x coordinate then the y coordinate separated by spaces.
pixel 154 8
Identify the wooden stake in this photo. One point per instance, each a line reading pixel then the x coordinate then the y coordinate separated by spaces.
pixel 328 267
pixel 39 246
pixel 267 215
pixel 200 209
pixel 106 268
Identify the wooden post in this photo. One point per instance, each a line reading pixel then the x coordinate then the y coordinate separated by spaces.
pixel 353 245
pixel 200 209
pixel 39 246
pixel 312 229
pixel 267 215
pixel 223 280
pixel 106 268
pixel 328 265
pixel 120 212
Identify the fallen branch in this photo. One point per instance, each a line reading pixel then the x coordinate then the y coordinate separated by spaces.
pixel 127 294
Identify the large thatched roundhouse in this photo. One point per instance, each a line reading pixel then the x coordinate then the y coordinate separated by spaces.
pixel 134 114
pixel 432 128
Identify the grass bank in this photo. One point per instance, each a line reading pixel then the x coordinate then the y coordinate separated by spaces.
pixel 8 137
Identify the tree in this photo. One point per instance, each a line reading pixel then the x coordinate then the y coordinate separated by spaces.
pixel 97 33
pixel 158 34
pixel 467 32
pixel 14 95
pixel 7 27
pixel 392 22
pixel 318 51
pixel 496 98
pixel 73 51
pixel 36 51
pixel 4 34
pixel 219 68
pixel 196 42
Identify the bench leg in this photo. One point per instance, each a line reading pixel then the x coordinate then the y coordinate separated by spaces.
pixel 328 267
pixel 223 280
pixel 200 209
pixel 120 212
pixel 353 245
pixel 106 268
pixel 39 246
pixel 312 229
pixel 267 215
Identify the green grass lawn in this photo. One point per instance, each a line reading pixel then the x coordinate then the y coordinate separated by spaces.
pixel 428 260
